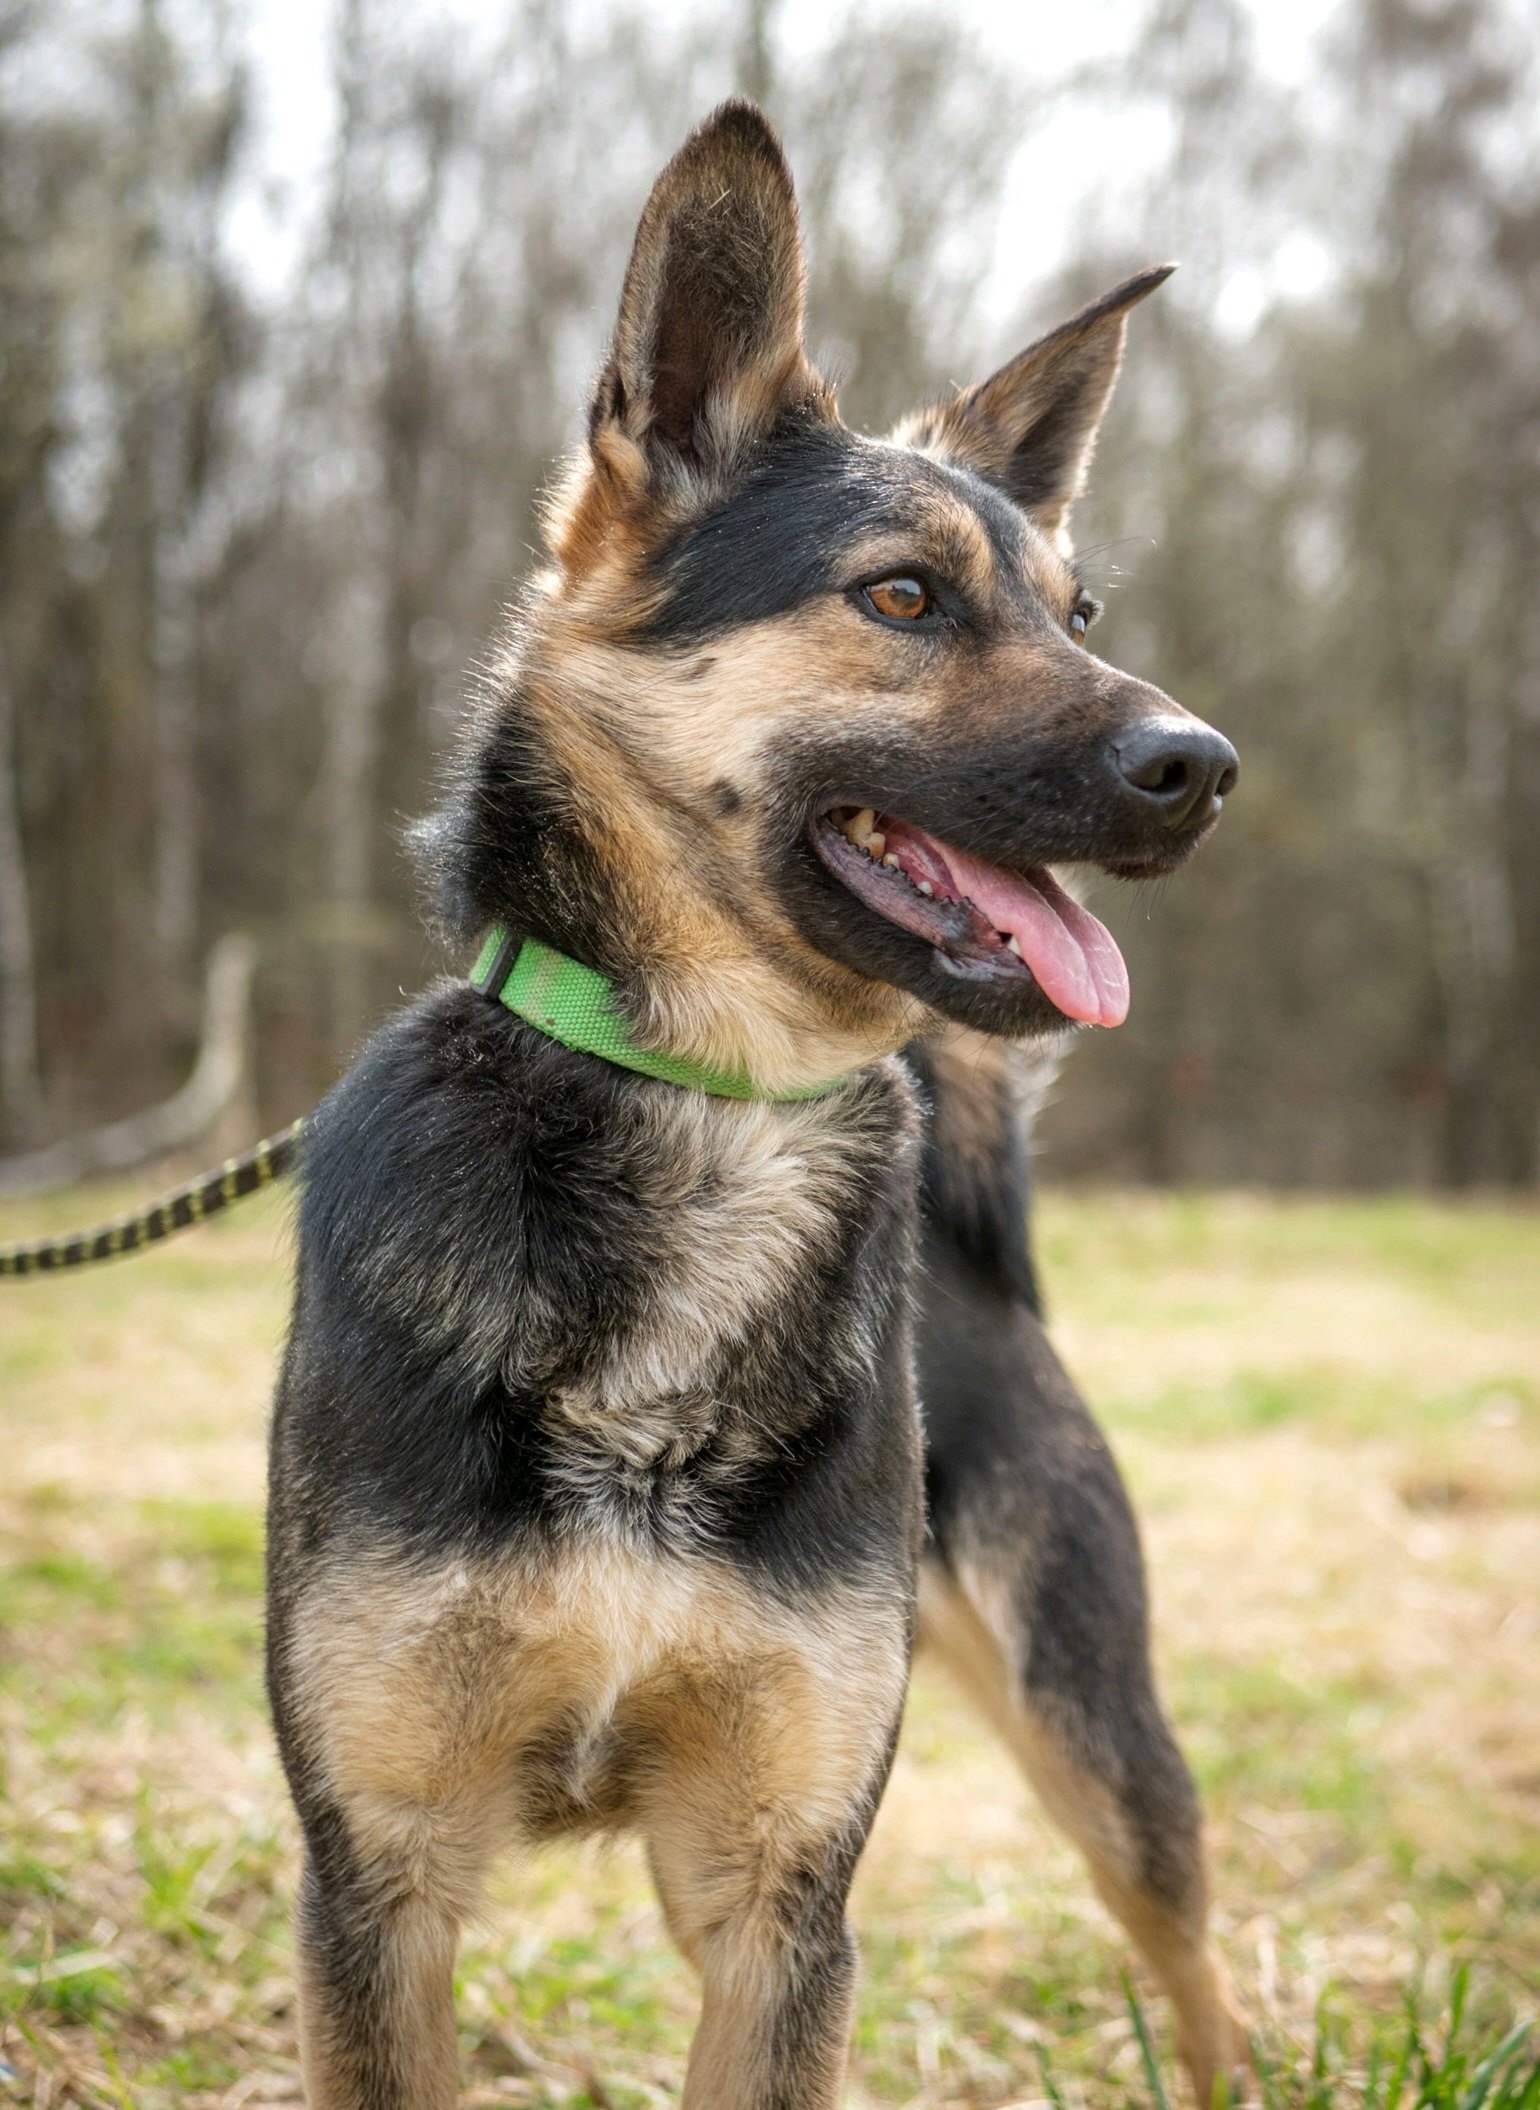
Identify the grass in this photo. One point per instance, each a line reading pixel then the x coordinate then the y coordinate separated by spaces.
pixel 1330 1417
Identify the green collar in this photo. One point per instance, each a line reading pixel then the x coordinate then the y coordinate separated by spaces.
pixel 576 1006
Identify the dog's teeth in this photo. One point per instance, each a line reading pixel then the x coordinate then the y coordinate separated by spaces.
pixel 925 887
pixel 891 863
pixel 861 829
pixel 1013 944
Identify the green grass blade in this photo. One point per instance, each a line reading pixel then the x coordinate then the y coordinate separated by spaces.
pixel 1411 2048
pixel 1268 2078
pixel 1051 2087
pixel 1322 2087
pixel 114 2071
pixel 1459 1986
pixel 1371 2099
pixel 1146 2049
pixel 1520 2093
pixel 1491 2066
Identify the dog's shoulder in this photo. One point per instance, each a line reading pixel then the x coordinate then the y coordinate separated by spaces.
pixel 425 1169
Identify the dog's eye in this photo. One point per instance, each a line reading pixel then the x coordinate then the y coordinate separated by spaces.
pixel 1086 612
pixel 902 599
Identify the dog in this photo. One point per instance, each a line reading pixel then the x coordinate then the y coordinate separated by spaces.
pixel 598 1492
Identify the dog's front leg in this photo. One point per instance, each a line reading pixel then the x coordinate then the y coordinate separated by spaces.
pixel 768 1783
pixel 778 1987
pixel 768 1934
pixel 378 1924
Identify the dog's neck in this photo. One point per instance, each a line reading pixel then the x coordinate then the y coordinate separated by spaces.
pixel 742 1016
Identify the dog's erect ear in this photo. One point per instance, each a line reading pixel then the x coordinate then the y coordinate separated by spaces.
pixel 1031 427
pixel 708 348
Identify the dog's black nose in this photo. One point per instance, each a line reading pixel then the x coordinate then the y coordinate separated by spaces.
pixel 1182 771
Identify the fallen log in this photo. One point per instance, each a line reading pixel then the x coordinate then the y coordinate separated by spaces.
pixel 218 1077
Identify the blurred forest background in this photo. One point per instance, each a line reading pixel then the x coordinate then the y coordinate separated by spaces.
pixel 250 545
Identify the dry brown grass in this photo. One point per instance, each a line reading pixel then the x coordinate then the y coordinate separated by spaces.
pixel 1331 1419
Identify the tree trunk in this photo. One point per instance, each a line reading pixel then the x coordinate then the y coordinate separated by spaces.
pixel 176 783
pixel 348 785
pixel 21 1085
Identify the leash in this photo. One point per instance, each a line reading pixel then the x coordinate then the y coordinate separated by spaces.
pixel 205 1196
pixel 560 997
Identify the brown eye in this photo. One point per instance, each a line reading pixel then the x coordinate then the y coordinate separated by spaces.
pixel 1086 612
pixel 901 599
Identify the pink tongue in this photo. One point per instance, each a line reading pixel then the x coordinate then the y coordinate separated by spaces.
pixel 1074 957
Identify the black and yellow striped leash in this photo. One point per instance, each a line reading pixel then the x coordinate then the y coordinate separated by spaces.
pixel 203 1197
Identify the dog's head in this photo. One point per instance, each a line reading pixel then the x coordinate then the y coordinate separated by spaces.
pixel 791 730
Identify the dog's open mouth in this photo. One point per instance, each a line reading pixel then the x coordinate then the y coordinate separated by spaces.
pixel 984 922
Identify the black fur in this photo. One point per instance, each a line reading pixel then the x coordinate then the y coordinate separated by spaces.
pixel 975 1219
pixel 503 846
pixel 1017 1471
pixel 487 1217
pixel 783 534
pixel 485 1212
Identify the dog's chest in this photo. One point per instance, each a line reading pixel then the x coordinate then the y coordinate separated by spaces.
pixel 554 1683
pixel 742 1256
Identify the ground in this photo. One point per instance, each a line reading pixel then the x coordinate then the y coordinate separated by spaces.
pixel 1329 1414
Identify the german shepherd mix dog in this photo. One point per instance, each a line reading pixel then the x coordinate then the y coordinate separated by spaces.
pixel 599 1495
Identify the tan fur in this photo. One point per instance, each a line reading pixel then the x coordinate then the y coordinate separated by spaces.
pixel 707 356
pixel 754 1188
pixel 731 982
pixel 714 295
pixel 716 283
pixel 426 1691
pixel 968 1622
pixel 732 2058
pixel 449 1710
pixel 647 738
